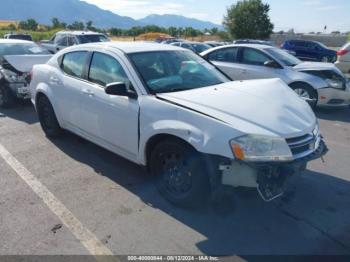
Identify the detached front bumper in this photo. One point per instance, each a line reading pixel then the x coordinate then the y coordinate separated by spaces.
pixel 268 178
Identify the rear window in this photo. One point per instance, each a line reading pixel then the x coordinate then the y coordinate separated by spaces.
pixel 21 37
pixel 83 39
pixel 73 63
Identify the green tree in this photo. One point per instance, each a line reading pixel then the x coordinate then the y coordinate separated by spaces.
pixel 249 19
pixel 29 24
pixel 76 26
pixel 55 23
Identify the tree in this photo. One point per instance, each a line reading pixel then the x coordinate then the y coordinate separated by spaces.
pixel 76 26
pixel 55 23
pixel 249 19
pixel 214 31
pixel 29 24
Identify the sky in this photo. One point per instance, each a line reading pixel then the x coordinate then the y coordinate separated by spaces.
pixel 301 15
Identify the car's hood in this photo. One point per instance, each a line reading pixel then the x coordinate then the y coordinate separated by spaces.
pixel 314 65
pixel 25 63
pixel 255 106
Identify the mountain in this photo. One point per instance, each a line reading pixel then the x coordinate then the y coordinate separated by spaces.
pixel 76 10
pixel 177 21
pixel 65 10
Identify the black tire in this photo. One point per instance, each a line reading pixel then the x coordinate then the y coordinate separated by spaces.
pixel 47 117
pixel 6 97
pixel 180 173
pixel 311 93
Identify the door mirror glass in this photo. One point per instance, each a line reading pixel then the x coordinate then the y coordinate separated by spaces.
pixel 272 64
pixel 119 89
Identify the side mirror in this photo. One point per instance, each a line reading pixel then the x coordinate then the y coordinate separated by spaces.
pixel 272 64
pixel 119 89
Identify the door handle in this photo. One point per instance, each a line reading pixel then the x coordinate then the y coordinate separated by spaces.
pixel 88 92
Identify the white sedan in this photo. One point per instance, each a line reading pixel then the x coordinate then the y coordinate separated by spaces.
pixel 318 83
pixel 166 108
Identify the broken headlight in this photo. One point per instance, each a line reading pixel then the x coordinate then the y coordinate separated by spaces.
pixel 258 148
pixel 10 76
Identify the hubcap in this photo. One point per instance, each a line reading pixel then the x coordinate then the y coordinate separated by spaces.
pixel 302 93
pixel 176 174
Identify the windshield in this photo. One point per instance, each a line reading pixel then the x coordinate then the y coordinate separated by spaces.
pixel 171 71
pixel 83 39
pixel 199 48
pixel 283 56
pixel 22 49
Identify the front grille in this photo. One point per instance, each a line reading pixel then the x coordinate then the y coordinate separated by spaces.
pixel 301 146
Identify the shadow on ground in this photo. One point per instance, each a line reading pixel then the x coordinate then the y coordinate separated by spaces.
pixel 334 114
pixel 23 111
pixel 311 218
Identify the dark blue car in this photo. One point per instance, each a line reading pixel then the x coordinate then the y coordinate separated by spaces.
pixel 310 50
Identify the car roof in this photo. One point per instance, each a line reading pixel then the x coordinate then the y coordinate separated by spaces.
pixel 133 47
pixel 14 41
pixel 256 46
pixel 79 33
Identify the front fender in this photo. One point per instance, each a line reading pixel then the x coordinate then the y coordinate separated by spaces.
pixel 176 128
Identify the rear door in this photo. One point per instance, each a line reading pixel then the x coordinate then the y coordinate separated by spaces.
pixel 111 121
pixel 227 60
pixel 67 85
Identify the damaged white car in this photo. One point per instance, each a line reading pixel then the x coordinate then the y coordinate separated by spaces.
pixel 17 58
pixel 166 108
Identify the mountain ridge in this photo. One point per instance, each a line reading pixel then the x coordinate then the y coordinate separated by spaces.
pixel 77 10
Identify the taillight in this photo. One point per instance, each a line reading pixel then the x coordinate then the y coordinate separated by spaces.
pixel 342 52
pixel 30 76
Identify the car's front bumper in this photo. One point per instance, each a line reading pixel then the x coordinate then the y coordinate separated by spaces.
pixel 332 97
pixel 268 178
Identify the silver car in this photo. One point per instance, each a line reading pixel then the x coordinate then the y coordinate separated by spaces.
pixel 320 84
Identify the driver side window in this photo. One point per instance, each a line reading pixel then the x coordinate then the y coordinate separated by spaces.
pixel 105 69
pixel 254 57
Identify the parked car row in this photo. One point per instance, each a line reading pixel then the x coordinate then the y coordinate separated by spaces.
pixel 180 114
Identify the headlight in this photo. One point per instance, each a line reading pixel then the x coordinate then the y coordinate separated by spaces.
pixel 10 76
pixel 256 148
pixel 334 83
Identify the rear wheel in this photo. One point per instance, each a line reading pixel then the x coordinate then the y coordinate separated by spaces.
pixel 181 176
pixel 47 117
pixel 306 92
pixel 6 96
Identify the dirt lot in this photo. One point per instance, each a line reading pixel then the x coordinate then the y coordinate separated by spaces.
pixel 115 203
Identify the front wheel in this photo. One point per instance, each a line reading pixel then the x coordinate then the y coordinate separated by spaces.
pixel 306 93
pixel 180 173
pixel 47 117
pixel 6 97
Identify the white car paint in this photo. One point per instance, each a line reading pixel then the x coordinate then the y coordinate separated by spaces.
pixel 343 61
pixel 289 74
pixel 24 63
pixel 207 118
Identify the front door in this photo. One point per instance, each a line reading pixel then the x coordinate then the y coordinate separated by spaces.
pixel 111 121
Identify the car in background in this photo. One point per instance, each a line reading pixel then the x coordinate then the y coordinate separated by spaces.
pixel 318 83
pixel 18 36
pixel 343 61
pixel 65 39
pixel 167 108
pixel 17 58
pixel 252 41
pixel 213 43
pixel 196 47
pixel 310 50
pixel 172 40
